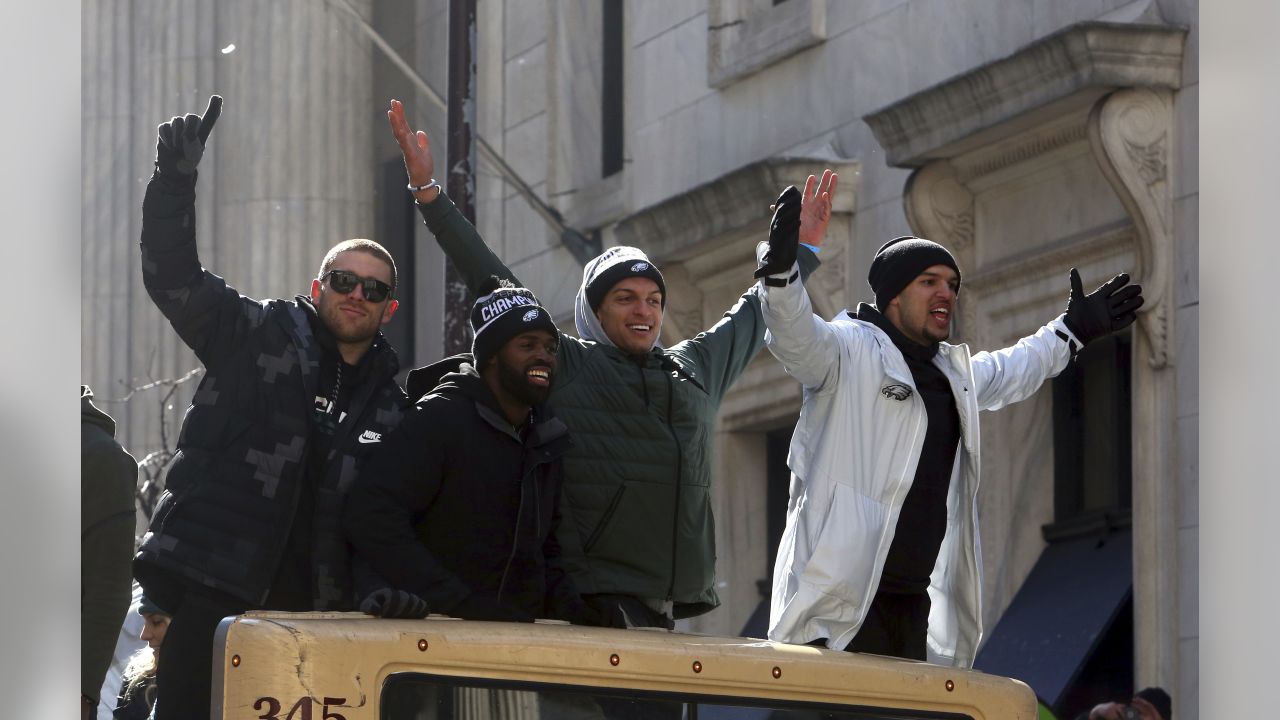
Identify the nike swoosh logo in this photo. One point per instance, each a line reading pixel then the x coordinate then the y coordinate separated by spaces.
pixel 369 437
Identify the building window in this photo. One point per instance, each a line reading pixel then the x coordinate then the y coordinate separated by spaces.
pixel 611 91
pixel 1092 440
pixel 777 495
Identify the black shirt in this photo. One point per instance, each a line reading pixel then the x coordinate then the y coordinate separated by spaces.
pixel 292 587
pixel 923 520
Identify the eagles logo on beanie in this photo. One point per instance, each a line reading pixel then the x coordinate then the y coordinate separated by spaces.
pixel 899 261
pixel 502 312
pixel 615 264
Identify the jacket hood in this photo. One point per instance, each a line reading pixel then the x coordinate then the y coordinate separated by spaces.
pixel 89 413
pixel 588 325
pixel 454 375
pixel 426 378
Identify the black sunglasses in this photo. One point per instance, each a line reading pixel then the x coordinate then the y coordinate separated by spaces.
pixel 344 281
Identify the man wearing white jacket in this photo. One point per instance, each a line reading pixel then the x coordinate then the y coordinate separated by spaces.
pixel 888 440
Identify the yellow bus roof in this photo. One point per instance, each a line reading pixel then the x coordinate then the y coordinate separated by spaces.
pixel 349 656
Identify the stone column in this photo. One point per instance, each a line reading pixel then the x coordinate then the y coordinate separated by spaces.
pixel 1131 132
pixel 288 172
pixel 294 171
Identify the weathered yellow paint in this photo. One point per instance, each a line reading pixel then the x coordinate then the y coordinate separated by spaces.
pixel 288 656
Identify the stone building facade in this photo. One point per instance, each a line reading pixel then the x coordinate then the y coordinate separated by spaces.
pixel 1030 136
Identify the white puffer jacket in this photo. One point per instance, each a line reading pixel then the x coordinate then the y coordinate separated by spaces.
pixel 853 457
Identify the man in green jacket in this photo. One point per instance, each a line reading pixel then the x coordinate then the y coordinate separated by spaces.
pixel 108 479
pixel 637 530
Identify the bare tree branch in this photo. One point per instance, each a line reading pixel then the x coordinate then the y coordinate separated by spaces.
pixel 152 467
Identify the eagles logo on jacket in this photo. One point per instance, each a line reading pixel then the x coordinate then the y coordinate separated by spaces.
pixel 853 456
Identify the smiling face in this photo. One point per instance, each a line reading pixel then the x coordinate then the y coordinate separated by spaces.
pixel 351 317
pixel 525 367
pixel 923 310
pixel 631 314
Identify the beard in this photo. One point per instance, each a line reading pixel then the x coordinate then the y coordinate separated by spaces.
pixel 514 381
pixel 346 329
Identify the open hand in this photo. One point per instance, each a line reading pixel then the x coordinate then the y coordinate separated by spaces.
pixel 1112 307
pixel 815 208
pixel 419 165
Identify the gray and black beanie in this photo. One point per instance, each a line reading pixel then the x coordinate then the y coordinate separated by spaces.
pixel 900 261
pixel 612 266
pixel 503 311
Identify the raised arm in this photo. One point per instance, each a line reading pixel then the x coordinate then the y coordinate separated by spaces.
pixel 725 349
pixel 804 343
pixel 456 235
pixel 209 316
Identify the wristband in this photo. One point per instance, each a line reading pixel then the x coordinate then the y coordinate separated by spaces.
pixel 419 188
pixel 815 249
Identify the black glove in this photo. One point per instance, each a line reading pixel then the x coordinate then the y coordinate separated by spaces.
pixel 486 607
pixel 1111 307
pixel 608 611
pixel 180 142
pixel 392 603
pixel 784 234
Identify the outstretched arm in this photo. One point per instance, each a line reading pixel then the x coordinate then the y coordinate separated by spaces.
pixel 804 344
pixel 1006 376
pixel 209 316
pixel 456 235
pixel 724 350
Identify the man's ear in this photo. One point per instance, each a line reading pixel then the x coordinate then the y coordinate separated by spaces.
pixel 315 291
pixel 389 311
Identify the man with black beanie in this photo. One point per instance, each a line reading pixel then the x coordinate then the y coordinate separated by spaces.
pixel 296 394
pixel 880 550
pixel 638 534
pixel 481 439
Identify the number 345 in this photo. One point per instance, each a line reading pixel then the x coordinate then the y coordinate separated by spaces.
pixel 301 710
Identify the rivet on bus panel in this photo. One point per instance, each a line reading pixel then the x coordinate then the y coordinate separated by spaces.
pixel 614 659
pixel 697 666
pixel 777 672
pixel 235 661
pixel 422 644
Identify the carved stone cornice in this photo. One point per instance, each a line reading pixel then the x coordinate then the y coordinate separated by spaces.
pixel 1069 68
pixel 734 203
pixel 939 207
pixel 1131 134
pixel 1042 141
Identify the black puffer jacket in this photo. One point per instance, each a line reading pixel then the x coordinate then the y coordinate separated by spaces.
pixel 234 487
pixel 457 502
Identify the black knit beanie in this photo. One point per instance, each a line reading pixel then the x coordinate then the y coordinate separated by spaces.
pixel 900 261
pixel 147 607
pixel 502 312
pixel 615 264
pixel 1159 699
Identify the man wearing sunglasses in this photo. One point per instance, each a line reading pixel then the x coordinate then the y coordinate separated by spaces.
pixel 297 393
